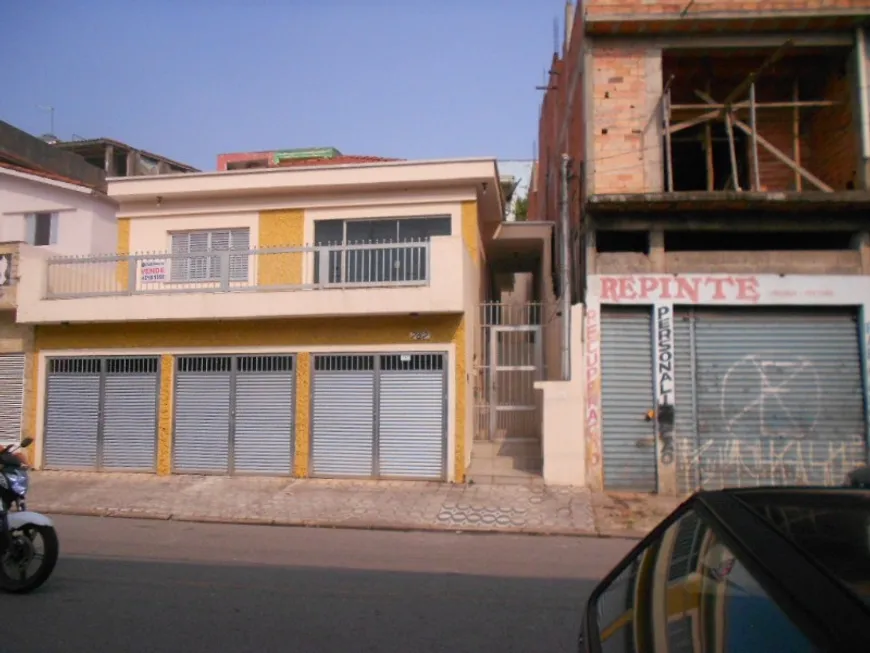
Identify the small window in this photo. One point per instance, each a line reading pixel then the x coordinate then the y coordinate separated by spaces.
pixel 191 260
pixel 42 229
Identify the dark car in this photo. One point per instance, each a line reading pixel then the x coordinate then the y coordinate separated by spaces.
pixel 738 571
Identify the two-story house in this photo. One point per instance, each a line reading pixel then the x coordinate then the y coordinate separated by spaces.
pixel 40 211
pixel 318 320
pixel 719 186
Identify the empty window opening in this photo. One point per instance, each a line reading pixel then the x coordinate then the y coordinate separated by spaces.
pixel 691 160
pixel 756 241
pixel 622 241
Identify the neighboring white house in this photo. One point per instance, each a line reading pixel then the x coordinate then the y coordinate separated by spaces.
pixel 55 215
pixel 46 210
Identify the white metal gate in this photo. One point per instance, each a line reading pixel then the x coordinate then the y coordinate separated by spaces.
pixel 101 413
pixel 379 415
pixel 11 396
pixel 511 359
pixel 234 414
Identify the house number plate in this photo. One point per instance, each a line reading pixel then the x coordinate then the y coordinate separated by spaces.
pixel 421 335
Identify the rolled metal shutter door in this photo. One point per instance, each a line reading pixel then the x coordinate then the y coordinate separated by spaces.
pixel 685 411
pixel 11 396
pixel 343 416
pixel 263 422
pixel 72 413
pixel 628 440
pixel 780 397
pixel 130 395
pixel 202 414
pixel 411 404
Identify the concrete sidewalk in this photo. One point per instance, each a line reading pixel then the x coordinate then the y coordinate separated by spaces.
pixel 397 505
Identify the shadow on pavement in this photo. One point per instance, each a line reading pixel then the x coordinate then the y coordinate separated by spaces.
pixel 99 604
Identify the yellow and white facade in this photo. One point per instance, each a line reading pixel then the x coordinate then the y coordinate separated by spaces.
pixel 248 325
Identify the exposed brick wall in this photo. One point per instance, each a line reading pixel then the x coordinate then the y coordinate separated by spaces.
pixel 832 137
pixel 626 86
pixel 651 7
pixel 776 128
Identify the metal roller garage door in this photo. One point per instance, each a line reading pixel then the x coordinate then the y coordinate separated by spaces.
pixel 263 432
pixel 379 416
pixel 11 396
pixel 628 440
pixel 234 414
pixel 129 426
pixel 411 405
pixel 773 397
pixel 101 413
pixel 343 415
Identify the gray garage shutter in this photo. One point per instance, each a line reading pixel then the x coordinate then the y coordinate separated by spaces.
pixel 202 414
pixel 411 434
pixel 779 397
pixel 263 424
pixel 72 413
pixel 129 435
pixel 343 416
pixel 11 396
pixel 628 440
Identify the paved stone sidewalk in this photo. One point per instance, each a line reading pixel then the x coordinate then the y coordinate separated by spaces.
pixel 355 504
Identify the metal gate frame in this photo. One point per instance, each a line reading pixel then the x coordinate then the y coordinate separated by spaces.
pixel 495 367
pixel 99 467
pixel 376 394
pixel 231 444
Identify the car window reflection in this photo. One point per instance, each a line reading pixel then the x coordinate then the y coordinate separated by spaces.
pixel 688 593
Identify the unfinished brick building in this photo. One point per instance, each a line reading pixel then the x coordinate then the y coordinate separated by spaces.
pixel 718 192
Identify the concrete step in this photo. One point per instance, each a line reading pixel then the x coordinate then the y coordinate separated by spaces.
pixel 509 479
pixel 505 465
pixel 492 448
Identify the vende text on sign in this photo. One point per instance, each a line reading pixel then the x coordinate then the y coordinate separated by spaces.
pixel 728 289
pixel 152 271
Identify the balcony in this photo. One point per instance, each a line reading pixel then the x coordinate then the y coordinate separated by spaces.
pixel 308 281
pixel 8 275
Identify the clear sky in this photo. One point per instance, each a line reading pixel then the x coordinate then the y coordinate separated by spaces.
pixel 189 79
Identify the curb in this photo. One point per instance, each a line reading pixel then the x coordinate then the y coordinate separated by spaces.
pixel 350 525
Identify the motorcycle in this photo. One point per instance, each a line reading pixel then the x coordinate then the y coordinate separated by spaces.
pixel 24 566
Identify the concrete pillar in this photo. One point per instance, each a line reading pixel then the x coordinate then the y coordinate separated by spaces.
pixel 591 254
pixel 109 161
pixel 657 256
pixel 861 242
pixel 132 163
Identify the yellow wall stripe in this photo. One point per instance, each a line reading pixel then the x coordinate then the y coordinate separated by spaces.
pixel 164 424
pixel 122 271
pixel 285 228
pixel 303 415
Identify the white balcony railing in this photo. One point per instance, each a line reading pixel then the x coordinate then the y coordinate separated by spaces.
pixel 368 265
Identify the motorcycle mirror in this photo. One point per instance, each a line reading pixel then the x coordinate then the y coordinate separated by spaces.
pixel 26 442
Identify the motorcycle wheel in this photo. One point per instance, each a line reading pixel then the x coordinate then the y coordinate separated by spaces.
pixel 24 569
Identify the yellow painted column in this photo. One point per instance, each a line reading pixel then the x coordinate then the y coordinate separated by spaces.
pixel 284 228
pixel 30 408
pixel 461 399
pixel 471 230
pixel 303 415
pixel 122 271
pixel 164 424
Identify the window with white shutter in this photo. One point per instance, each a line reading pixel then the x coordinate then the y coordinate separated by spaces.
pixel 193 261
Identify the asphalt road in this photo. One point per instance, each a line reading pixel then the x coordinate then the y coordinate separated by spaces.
pixel 159 587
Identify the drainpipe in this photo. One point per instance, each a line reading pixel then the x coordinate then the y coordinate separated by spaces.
pixel 565 273
pixel 861 55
